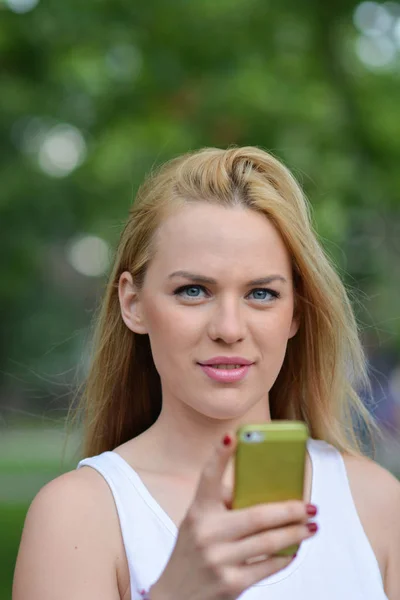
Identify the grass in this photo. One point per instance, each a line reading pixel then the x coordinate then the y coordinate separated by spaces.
pixel 12 518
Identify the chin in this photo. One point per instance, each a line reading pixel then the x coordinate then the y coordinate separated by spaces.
pixel 222 415
pixel 223 408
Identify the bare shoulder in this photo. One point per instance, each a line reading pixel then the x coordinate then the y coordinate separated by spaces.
pixel 376 494
pixel 69 545
pixel 380 489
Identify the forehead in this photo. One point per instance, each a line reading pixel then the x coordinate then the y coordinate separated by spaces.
pixel 213 240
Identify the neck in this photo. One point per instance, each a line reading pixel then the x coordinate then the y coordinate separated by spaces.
pixel 182 440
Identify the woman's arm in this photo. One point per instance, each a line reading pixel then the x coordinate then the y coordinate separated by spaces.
pixel 392 578
pixel 376 494
pixel 67 548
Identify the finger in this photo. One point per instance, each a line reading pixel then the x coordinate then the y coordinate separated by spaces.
pixel 265 544
pixel 257 571
pixel 243 577
pixel 209 489
pixel 244 522
pixel 227 495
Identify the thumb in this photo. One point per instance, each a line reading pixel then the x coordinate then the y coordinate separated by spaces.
pixel 210 482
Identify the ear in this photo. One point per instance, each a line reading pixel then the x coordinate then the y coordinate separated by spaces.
pixel 296 318
pixel 130 303
pixel 294 327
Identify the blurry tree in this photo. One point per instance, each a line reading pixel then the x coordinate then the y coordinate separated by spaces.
pixel 94 94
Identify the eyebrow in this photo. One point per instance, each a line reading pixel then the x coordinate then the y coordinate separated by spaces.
pixel 202 279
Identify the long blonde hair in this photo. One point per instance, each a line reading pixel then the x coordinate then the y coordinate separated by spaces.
pixel 324 366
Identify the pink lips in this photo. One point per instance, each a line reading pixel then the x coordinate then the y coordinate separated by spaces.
pixel 226 375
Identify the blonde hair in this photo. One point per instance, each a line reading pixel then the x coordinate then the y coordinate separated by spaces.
pixel 324 364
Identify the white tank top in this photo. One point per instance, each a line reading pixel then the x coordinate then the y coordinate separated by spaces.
pixel 338 563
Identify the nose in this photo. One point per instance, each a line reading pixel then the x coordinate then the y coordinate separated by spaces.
pixel 227 322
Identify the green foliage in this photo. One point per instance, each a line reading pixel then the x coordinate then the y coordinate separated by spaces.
pixel 143 82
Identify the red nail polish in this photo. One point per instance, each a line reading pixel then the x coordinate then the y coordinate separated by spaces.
pixel 227 440
pixel 294 555
pixel 312 527
pixel 311 510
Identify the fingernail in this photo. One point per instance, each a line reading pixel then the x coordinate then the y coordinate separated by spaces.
pixel 312 527
pixel 311 510
pixel 227 440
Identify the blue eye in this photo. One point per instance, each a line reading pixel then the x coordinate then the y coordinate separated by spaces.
pixel 264 294
pixel 189 291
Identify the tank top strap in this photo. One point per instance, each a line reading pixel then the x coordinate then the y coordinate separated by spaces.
pixel 147 538
pixel 106 466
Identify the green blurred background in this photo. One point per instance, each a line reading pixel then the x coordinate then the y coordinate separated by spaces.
pixel 94 93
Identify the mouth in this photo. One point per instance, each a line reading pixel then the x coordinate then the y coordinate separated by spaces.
pixel 225 373
pixel 227 367
pixel 226 361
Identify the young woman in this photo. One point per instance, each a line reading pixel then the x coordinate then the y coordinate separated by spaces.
pixel 222 309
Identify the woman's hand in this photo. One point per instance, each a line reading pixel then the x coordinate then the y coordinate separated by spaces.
pixel 219 553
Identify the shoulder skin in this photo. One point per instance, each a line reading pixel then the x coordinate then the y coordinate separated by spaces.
pixel 70 546
pixel 376 493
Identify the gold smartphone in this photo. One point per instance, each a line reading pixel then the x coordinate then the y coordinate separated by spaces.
pixel 270 464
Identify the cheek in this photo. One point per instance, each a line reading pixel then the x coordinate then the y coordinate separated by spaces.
pixel 275 325
pixel 272 339
pixel 169 327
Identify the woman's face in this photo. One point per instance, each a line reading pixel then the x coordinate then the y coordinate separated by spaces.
pixel 201 300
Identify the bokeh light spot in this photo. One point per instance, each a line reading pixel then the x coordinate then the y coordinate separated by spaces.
pixel 21 6
pixel 62 150
pixel 396 32
pixel 372 19
pixel 89 255
pixel 375 52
